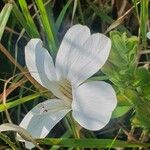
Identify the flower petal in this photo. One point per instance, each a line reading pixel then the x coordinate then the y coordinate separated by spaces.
pixel 90 58
pixel 43 117
pixel 40 65
pixel 93 103
pixel 72 42
pixel 29 145
pixel 35 55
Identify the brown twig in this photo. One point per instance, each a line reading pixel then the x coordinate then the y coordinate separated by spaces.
pixel 14 32
pixel 119 20
pixel 13 87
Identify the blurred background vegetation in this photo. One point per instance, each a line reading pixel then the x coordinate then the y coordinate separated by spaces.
pixel 126 22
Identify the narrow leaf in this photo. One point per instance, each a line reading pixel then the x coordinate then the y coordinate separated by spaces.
pixel 22 21
pixel 120 111
pixel 62 14
pixel 4 17
pixel 28 16
pixel 47 26
pixel 18 102
pixel 90 143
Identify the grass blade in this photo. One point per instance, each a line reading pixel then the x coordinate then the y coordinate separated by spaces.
pixel 28 17
pixel 143 20
pixel 62 14
pixel 8 141
pixel 47 26
pixel 4 15
pixel 90 143
pixel 23 22
pixel 18 101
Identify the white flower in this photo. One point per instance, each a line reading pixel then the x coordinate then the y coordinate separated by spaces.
pixel 148 35
pixel 79 57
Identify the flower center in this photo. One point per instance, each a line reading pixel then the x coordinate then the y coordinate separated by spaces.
pixel 66 89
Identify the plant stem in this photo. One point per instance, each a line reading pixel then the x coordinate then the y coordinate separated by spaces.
pixel 74 127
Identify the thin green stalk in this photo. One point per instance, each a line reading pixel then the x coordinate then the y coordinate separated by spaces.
pixel 7 140
pixel 143 21
pixel 81 13
pixel 74 128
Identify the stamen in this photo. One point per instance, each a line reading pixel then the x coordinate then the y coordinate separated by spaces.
pixel 44 109
pixel 66 89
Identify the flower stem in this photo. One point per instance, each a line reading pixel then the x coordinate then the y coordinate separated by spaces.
pixel 74 127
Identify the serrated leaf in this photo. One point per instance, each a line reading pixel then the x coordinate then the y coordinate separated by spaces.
pixel 146 91
pixel 117 42
pixel 143 112
pixel 141 77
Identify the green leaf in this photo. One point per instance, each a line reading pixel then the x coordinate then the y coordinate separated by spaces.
pixel 90 143
pixel 28 17
pixel 4 15
pixel 141 77
pixel 143 20
pixel 47 26
pixel 118 42
pixel 124 49
pixel 120 111
pixel 121 63
pixel 146 91
pixel 23 22
pixel 131 95
pixel 118 54
pixel 8 141
pixel 143 112
pixel 142 82
pixel 50 16
pixel 62 14
pixel 18 101
pixel 123 100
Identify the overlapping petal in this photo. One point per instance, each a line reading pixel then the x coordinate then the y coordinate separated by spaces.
pixel 81 55
pixel 41 66
pixel 70 45
pixel 90 58
pixel 93 103
pixel 34 56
